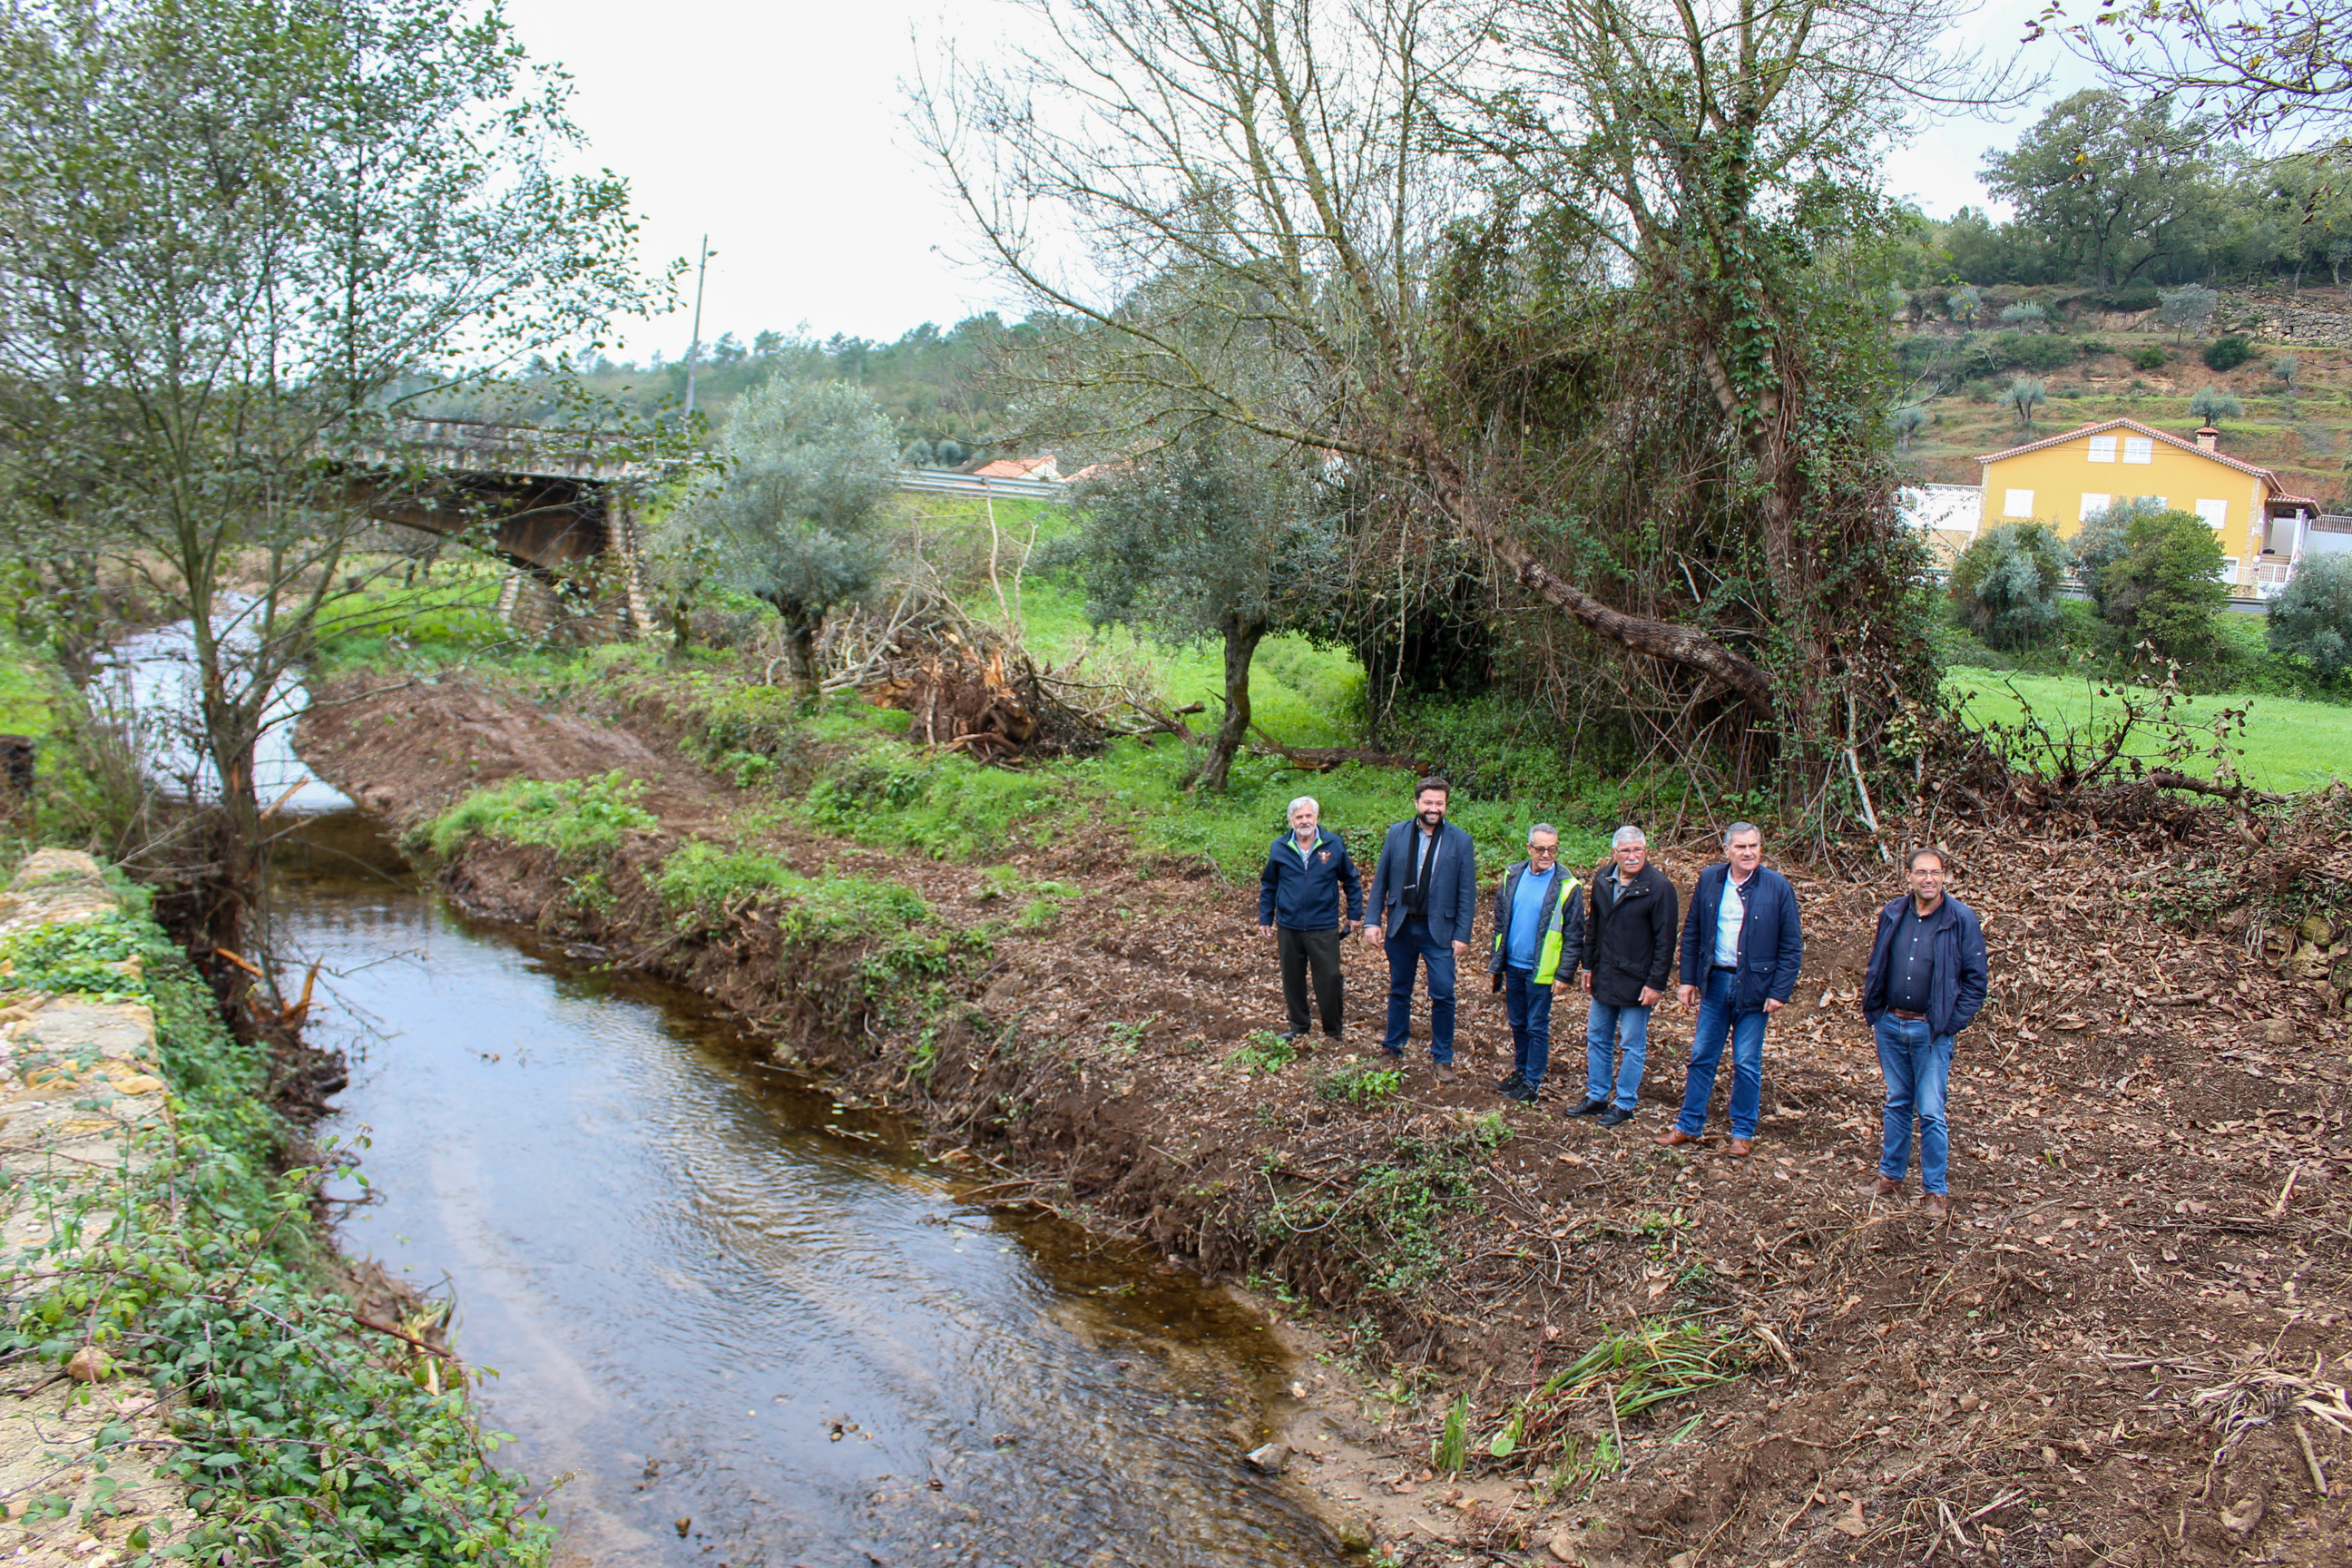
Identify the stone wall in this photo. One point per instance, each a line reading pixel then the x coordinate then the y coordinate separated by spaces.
pixel 2277 321
pixel 81 1107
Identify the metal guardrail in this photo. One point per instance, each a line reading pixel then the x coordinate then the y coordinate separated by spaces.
pixel 936 481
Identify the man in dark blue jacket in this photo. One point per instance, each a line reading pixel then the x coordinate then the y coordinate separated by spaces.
pixel 1298 909
pixel 1928 978
pixel 1424 897
pixel 1742 947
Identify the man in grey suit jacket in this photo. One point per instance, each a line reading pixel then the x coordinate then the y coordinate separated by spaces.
pixel 1424 896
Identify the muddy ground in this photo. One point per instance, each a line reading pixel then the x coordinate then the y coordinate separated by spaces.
pixel 2127 1345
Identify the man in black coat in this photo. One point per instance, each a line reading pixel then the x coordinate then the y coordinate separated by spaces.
pixel 1629 957
pixel 1928 978
pixel 1424 897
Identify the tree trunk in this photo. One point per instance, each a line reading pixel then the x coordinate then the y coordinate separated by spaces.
pixel 1240 647
pixel 800 648
pixel 1684 645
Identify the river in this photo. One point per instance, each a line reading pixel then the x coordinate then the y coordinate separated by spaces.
pixel 756 1327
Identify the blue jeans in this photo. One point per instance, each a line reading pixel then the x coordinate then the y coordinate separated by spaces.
pixel 1746 1032
pixel 1604 1027
pixel 1409 949
pixel 1528 1007
pixel 1917 1067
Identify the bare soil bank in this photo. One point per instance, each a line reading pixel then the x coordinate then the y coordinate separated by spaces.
pixel 2126 1346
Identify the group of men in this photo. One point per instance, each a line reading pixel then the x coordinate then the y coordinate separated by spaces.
pixel 1735 957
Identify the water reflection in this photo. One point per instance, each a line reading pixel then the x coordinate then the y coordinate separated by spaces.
pixel 719 1299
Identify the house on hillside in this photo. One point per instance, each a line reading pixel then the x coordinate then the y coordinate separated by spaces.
pixel 2062 479
pixel 1043 469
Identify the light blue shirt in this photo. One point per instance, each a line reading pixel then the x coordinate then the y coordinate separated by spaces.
pixel 1728 917
pixel 1526 917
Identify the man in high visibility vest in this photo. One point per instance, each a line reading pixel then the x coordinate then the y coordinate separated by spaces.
pixel 1538 939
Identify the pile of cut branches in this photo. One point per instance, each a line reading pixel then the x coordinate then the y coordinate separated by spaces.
pixel 971 686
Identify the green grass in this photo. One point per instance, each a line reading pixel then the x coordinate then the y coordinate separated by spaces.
pixel 575 817
pixel 449 618
pixel 705 880
pixel 71 805
pixel 2289 745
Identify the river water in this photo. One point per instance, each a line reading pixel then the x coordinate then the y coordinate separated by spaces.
pixel 754 1327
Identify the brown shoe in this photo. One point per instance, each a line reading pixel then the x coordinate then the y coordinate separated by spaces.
pixel 1739 1148
pixel 1884 1187
pixel 1936 1205
pixel 1675 1137
pixel 1445 1073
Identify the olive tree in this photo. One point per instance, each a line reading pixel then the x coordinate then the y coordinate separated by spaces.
pixel 796 519
pixel 1214 534
pixel 2005 585
pixel 2313 618
pixel 2211 404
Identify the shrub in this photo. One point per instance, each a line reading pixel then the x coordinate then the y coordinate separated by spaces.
pixel 2228 354
pixel 2150 356
pixel 2187 308
pixel 2026 318
pixel 2014 350
pixel 2312 619
pixel 2139 297
pixel 2005 586
pixel 2165 587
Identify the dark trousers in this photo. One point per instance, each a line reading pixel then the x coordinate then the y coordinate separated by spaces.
pixel 1529 1008
pixel 1410 949
pixel 1318 950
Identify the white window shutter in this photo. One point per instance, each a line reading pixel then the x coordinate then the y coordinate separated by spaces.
pixel 2018 503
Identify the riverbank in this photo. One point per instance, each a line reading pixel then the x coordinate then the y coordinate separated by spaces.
pixel 2149 1143
pixel 196 1375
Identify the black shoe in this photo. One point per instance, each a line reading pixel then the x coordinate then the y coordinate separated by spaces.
pixel 1509 1081
pixel 1615 1116
pixel 1523 1091
pixel 1590 1108
pixel 1292 1036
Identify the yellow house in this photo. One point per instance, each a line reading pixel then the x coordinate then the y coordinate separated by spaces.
pixel 2062 479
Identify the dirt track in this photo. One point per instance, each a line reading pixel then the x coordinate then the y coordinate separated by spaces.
pixel 2148 1164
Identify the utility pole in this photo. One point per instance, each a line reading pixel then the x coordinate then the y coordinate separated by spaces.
pixel 694 349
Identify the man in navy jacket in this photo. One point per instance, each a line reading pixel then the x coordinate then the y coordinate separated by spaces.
pixel 1298 909
pixel 1928 978
pixel 1742 947
pixel 1424 897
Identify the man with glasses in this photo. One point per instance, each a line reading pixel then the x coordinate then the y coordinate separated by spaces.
pixel 1742 947
pixel 1629 955
pixel 1927 980
pixel 1539 934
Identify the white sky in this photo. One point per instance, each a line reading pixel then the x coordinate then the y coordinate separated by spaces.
pixel 778 130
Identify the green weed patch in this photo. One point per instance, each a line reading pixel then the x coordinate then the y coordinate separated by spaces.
pixel 577 818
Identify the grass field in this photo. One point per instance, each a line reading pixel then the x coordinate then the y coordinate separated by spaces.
pixel 2288 745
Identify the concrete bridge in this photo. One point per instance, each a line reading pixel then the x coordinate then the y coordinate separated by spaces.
pixel 558 506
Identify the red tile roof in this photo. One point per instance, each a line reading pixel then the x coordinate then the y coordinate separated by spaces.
pixel 2134 425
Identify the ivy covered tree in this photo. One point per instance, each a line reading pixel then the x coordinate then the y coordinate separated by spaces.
pixel 2312 619
pixel 810 468
pixel 1215 534
pixel 2005 586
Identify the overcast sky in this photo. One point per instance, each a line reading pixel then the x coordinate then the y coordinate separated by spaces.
pixel 778 130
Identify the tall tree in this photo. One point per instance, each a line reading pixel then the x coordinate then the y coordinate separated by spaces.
pixel 233 234
pixel 810 467
pixel 1218 533
pixel 2112 185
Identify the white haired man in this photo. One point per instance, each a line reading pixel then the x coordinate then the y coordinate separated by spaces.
pixel 1629 957
pixel 1299 908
